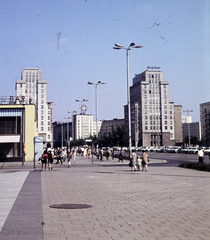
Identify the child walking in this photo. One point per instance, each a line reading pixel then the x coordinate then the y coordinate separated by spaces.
pixel 138 161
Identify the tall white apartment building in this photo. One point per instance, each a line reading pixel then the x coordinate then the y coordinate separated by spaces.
pixel 84 126
pixel 34 90
pixel 152 115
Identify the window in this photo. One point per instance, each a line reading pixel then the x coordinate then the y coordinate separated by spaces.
pixel 165 127
pixel 170 122
pixel 42 117
pixel 42 85
pixel 42 90
pixel 42 106
pixel 166 122
pixel 146 128
pixel 48 123
pixel 42 95
pixel 42 129
pixel 145 106
pixel 42 123
pixel 146 122
pixel 48 136
pixel 165 116
pixel 48 128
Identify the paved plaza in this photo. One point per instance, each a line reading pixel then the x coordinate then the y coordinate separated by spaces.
pixel 166 202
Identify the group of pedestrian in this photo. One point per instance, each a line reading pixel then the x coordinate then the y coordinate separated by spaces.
pixel 138 163
pixel 46 158
pixel 107 152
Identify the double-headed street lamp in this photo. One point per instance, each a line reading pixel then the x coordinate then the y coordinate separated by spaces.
pixel 96 102
pixel 118 47
pixel 188 121
pixel 83 108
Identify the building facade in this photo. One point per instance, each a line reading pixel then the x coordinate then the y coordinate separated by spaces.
pixel 152 115
pixel 34 90
pixel 195 131
pixel 17 131
pixel 110 125
pixel 205 122
pixel 84 126
pixel 178 124
pixel 62 133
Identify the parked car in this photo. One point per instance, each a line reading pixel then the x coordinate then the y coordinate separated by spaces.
pixel 207 150
pixel 185 150
pixel 174 149
pixel 194 150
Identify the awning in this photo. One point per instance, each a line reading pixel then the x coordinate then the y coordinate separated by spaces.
pixel 10 139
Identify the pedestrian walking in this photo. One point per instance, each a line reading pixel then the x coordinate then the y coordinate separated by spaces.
pixel 112 153
pixel 120 156
pixel 50 160
pixel 74 153
pixel 44 159
pixel 89 153
pixel 138 162
pixel 85 152
pixel 200 155
pixel 69 159
pixel 133 158
pixel 64 154
pixel 107 154
pixel 101 152
pixel 59 158
pixel 145 160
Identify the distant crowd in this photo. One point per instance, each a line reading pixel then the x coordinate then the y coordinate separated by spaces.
pixel 136 163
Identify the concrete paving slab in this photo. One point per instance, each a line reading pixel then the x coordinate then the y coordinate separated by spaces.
pixel 163 203
pixel 10 185
pixel 159 204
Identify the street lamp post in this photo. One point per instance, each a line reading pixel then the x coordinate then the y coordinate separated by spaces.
pixel 67 127
pixel 118 47
pixel 83 100
pixel 72 121
pixel 188 111
pixel 96 102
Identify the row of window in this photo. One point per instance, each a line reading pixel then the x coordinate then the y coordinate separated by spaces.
pixel 154 75
pixel 42 123
pixel 31 85
pixel 157 128
pixel 42 129
pixel 31 80
pixel 31 74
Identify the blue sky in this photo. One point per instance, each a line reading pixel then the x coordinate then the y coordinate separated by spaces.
pixel 72 41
